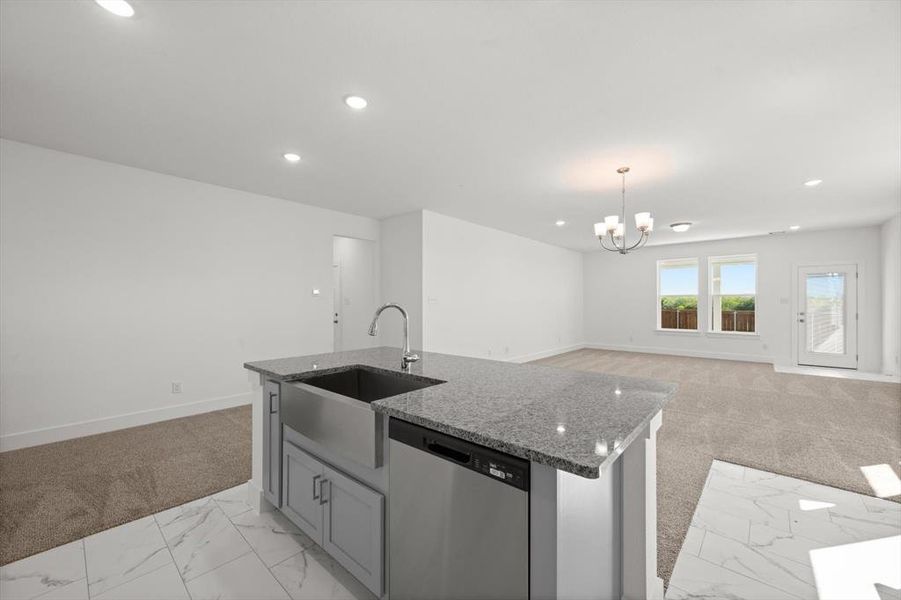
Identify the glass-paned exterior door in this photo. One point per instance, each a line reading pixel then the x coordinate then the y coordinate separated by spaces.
pixel 827 316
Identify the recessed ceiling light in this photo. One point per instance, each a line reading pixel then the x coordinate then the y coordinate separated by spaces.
pixel 560 223
pixel 795 227
pixel 356 102
pixel 813 182
pixel 681 226
pixel 291 157
pixel 120 8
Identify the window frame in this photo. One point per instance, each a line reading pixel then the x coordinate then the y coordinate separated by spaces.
pixel 725 259
pixel 664 262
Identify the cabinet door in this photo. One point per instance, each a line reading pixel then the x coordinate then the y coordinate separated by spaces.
pixel 353 529
pixel 302 485
pixel 272 443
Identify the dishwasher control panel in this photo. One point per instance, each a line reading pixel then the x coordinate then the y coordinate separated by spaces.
pixel 499 466
pixel 499 469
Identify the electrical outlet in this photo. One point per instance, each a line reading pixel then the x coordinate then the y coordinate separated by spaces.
pixel 176 387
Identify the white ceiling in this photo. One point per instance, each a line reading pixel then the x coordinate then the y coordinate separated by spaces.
pixel 507 114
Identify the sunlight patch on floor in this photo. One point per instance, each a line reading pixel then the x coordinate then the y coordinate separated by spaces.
pixel 854 570
pixel 883 480
pixel 814 504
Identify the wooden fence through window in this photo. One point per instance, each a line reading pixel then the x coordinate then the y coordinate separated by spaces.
pixel 733 320
pixel 679 319
pixel 738 320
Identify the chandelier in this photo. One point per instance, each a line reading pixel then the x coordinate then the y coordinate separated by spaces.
pixel 615 232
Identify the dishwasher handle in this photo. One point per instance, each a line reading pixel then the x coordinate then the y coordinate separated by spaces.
pixel 436 447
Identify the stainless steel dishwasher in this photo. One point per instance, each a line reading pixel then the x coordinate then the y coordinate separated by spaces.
pixel 458 518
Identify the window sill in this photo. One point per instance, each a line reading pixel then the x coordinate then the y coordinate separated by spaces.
pixel 745 334
pixel 678 331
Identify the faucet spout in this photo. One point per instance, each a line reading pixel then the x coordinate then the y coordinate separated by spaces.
pixel 408 357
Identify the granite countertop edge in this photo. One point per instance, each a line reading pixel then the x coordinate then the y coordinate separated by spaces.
pixel 551 460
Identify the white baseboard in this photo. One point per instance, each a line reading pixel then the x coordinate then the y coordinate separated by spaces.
pixel 837 373
pixel 544 354
pixel 680 352
pixel 58 433
pixel 256 499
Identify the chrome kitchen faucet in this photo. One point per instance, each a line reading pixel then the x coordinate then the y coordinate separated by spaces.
pixel 408 357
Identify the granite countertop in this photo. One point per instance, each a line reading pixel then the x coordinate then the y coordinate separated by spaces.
pixel 574 421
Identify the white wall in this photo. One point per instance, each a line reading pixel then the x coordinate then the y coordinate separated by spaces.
pixel 401 277
pixel 358 261
pixel 891 296
pixel 493 294
pixel 115 282
pixel 620 295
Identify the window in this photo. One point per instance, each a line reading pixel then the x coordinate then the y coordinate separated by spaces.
pixel 733 294
pixel 677 294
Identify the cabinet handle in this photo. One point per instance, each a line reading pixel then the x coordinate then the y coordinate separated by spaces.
pixel 322 498
pixel 315 478
pixel 273 406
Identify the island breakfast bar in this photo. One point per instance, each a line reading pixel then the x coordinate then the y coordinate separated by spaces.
pixel 588 441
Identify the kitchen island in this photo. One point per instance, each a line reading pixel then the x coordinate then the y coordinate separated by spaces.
pixel 588 439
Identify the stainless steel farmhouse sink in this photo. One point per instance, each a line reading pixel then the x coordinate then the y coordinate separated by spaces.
pixel 333 409
pixel 367 384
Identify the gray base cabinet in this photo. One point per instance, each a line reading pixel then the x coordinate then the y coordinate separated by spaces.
pixel 272 443
pixel 353 528
pixel 340 514
pixel 302 480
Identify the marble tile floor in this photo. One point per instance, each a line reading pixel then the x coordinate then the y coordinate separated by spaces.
pixel 214 547
pixel 754 535
pixel 761 536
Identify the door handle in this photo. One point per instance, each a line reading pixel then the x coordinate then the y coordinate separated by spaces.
pixel 315 478
pixel 336 319
pixel 800 320
pixel 273 406
pixel 322 498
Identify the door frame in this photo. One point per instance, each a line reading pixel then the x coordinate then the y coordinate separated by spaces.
pixel 795 305
pixel 337 299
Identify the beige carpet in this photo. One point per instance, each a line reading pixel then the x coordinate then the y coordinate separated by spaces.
pixel 815 428
pixel 57 493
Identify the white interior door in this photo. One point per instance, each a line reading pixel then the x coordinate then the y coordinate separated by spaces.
pixel 336 308
pixel 827 316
